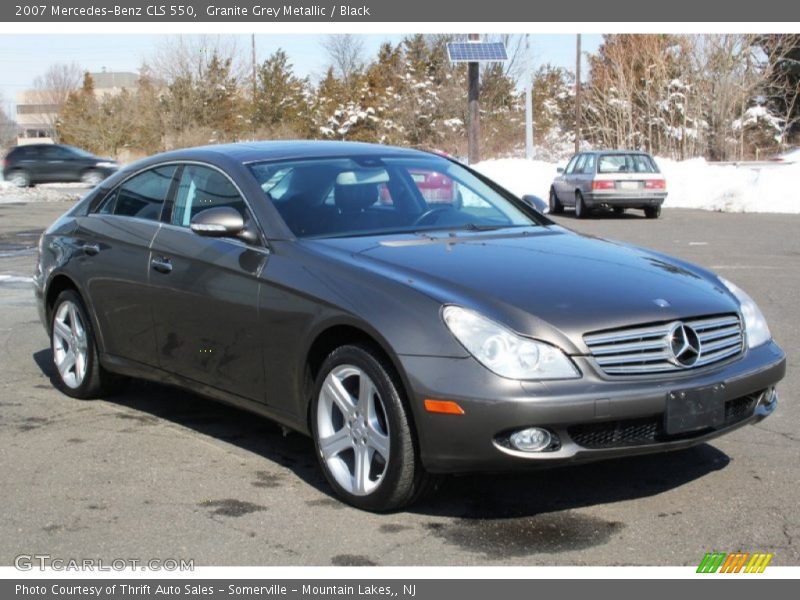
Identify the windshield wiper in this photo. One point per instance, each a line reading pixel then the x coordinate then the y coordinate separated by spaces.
pixel 467 227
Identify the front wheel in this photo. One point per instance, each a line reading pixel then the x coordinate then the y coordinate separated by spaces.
pixel 652 212
pixel 92 177
pixel 78 370
pixel 362 431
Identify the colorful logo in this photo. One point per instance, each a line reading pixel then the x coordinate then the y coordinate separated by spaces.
pixel 738 562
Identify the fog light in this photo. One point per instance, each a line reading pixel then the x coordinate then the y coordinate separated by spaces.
pixel 532 439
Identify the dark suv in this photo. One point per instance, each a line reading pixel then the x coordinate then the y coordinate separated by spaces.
pixel 49 163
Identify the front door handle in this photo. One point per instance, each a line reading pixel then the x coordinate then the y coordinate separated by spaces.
pixel 91 249
pixel 161 264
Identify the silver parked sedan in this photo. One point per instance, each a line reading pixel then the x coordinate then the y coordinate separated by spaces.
pixel 609 178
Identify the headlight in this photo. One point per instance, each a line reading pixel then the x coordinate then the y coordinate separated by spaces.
pixel 106 165
pixel 504 352
pixel 755 325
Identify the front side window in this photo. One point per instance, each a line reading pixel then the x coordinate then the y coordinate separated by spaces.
pixel 340 197
pixel 56 153
pixel 142 196
pixel 571 165
pixel 201 188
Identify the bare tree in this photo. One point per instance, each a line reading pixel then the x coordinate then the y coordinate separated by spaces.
pixel 187 57
pixel 8 128
pixel 51 90
pixel 346 53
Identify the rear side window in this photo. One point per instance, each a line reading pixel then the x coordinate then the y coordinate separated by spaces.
pixel 142 196
pixel 201 188
pixel 23 152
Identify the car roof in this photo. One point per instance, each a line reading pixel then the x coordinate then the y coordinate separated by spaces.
pixel 246 152
pixel 615 152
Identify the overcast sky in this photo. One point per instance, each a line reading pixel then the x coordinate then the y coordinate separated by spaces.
pixel 23 57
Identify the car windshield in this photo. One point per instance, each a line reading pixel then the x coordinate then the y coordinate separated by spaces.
pixel 626 163
pixel 342 197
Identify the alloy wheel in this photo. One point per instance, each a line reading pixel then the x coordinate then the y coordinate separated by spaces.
pixel 353 430
pixel 70 344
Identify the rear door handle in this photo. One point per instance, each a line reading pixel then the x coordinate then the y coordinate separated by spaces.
pixel 91 249
pixel 161 264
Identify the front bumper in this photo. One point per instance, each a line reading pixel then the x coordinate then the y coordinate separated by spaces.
pixel 594 417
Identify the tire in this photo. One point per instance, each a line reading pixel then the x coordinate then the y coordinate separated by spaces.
pixel 556 208
pixel 652 212
pixel 581 212
pixel 75 357
pixel 20 178
pixel 92 177
pixel 359 419
pixel 619 211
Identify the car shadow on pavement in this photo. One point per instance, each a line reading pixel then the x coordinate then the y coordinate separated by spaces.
pixel 537 491
pixel 260 436
pixel 635 215
pixel 478 496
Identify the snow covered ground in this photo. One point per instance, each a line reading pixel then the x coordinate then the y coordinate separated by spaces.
pixel 691 183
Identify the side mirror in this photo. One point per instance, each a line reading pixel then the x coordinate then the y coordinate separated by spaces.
pixel 222 221
pixel 560 170
pixel 536 203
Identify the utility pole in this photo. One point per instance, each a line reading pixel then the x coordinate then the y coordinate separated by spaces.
pixel 474 111
pixel 578 94
pixel 255 84
pixel 528 102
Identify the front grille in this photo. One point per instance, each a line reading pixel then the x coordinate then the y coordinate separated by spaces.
pixel 650 430
pixel 647 350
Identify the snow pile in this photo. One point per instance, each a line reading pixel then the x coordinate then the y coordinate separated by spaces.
pixel 520 176
pixel 691 183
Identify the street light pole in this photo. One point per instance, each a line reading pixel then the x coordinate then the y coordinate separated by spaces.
pixel 578 94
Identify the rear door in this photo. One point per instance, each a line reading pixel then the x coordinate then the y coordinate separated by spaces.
pixel 116 240
pixel 205 291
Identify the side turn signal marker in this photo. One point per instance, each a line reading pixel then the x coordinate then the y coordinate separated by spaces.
pixel 445 407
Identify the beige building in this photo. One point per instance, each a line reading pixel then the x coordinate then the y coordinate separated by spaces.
pixel 37 112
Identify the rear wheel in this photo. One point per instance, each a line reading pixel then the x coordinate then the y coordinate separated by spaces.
pixel 92 177
pixel 362 431
pixel 556 208
pixel 652 212
pixel 581 212
pixel 78 370
pixel 20 178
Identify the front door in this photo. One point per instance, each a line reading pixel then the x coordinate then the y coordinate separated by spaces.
pixel 205 292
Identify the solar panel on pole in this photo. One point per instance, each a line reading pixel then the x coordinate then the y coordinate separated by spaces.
pixel 473 53
pixel 477 52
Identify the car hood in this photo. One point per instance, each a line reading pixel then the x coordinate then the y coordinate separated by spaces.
pixel 546 282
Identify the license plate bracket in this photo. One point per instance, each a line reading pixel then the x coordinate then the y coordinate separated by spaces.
pixel 692 410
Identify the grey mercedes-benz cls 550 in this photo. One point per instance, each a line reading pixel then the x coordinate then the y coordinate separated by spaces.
pixel 409 314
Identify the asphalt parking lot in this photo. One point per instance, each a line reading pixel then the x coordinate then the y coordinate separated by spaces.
pixel 159 473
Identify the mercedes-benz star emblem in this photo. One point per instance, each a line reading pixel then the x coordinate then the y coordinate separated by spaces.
pixel 684 344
